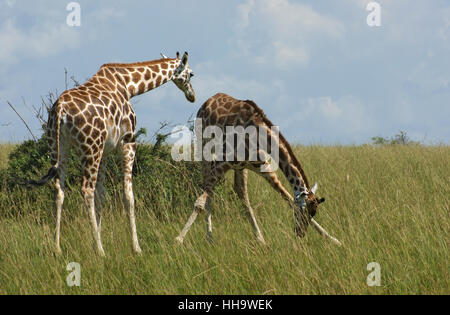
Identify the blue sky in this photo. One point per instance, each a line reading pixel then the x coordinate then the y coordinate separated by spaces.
pixel 315 67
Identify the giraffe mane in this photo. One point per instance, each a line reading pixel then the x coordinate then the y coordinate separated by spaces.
pixel 137 64
pixel 283 140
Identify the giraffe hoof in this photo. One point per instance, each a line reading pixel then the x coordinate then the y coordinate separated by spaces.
pixel 210 239
pixel 58 250
pixel 138 251
pixel 262 241
pixel 179 240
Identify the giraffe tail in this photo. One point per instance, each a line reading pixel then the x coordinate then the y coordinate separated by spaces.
pixel 44 180
pixel 53 172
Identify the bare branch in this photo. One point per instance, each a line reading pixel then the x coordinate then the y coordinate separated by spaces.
pixel 23 120
pixel 66 76
pixel 75 82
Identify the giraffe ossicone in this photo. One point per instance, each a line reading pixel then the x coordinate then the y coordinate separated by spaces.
pixel 97 117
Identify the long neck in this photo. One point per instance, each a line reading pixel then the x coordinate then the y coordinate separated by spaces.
pixel 291 168
pixel 138 78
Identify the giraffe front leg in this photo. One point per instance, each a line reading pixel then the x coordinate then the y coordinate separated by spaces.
pixel 129 151
pixel 199 206
pixel 211 175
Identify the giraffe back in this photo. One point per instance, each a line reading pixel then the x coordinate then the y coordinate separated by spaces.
pixel 224 110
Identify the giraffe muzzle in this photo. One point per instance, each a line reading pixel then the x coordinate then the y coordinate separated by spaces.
pixel 189 92
pixel 190 96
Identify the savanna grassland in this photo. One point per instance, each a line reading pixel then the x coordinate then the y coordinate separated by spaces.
pixel 387 204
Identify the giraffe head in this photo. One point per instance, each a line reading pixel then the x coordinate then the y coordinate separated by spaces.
pixel 182 77
pixel 306 208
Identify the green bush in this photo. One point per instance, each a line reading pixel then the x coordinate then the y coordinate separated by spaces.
pixel 30 160
pixel 159 182
pixel 401 138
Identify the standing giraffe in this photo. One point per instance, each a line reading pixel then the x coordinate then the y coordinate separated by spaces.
pixel 223 111
pixel 97 118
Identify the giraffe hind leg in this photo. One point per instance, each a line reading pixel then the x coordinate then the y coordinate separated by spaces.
pixel 209 235
pixel 240 187
pixel 207 204
pixel 60 189
pixel 88 191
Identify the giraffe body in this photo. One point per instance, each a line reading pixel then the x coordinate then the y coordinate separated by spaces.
pixel 222 110
pixel 96 118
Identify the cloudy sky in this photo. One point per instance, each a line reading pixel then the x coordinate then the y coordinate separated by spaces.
pixel 315 67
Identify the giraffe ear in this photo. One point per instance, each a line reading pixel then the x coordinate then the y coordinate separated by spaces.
pixel 314 189
pixel 321 200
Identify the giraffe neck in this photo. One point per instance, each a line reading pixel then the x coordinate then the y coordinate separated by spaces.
pixel 137 78
pixel 292 169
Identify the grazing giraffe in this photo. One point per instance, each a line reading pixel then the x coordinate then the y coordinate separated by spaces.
pixel 97 118
pixel 224 111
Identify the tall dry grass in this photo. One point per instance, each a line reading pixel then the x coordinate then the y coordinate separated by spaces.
pixel 387 204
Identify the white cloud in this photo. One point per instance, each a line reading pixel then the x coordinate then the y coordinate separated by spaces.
pixel 282 32
pixel 10 3
pixel 287 18
pixel 209 84
pixel 107 12
pixel 41 40
pixel 362 4
pixel 327 107
pixel 244 10
pixel 49 35
pixel 339 120
pixel 444 32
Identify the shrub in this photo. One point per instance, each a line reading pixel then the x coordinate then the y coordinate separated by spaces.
pixel 159 182
pixel 401 138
